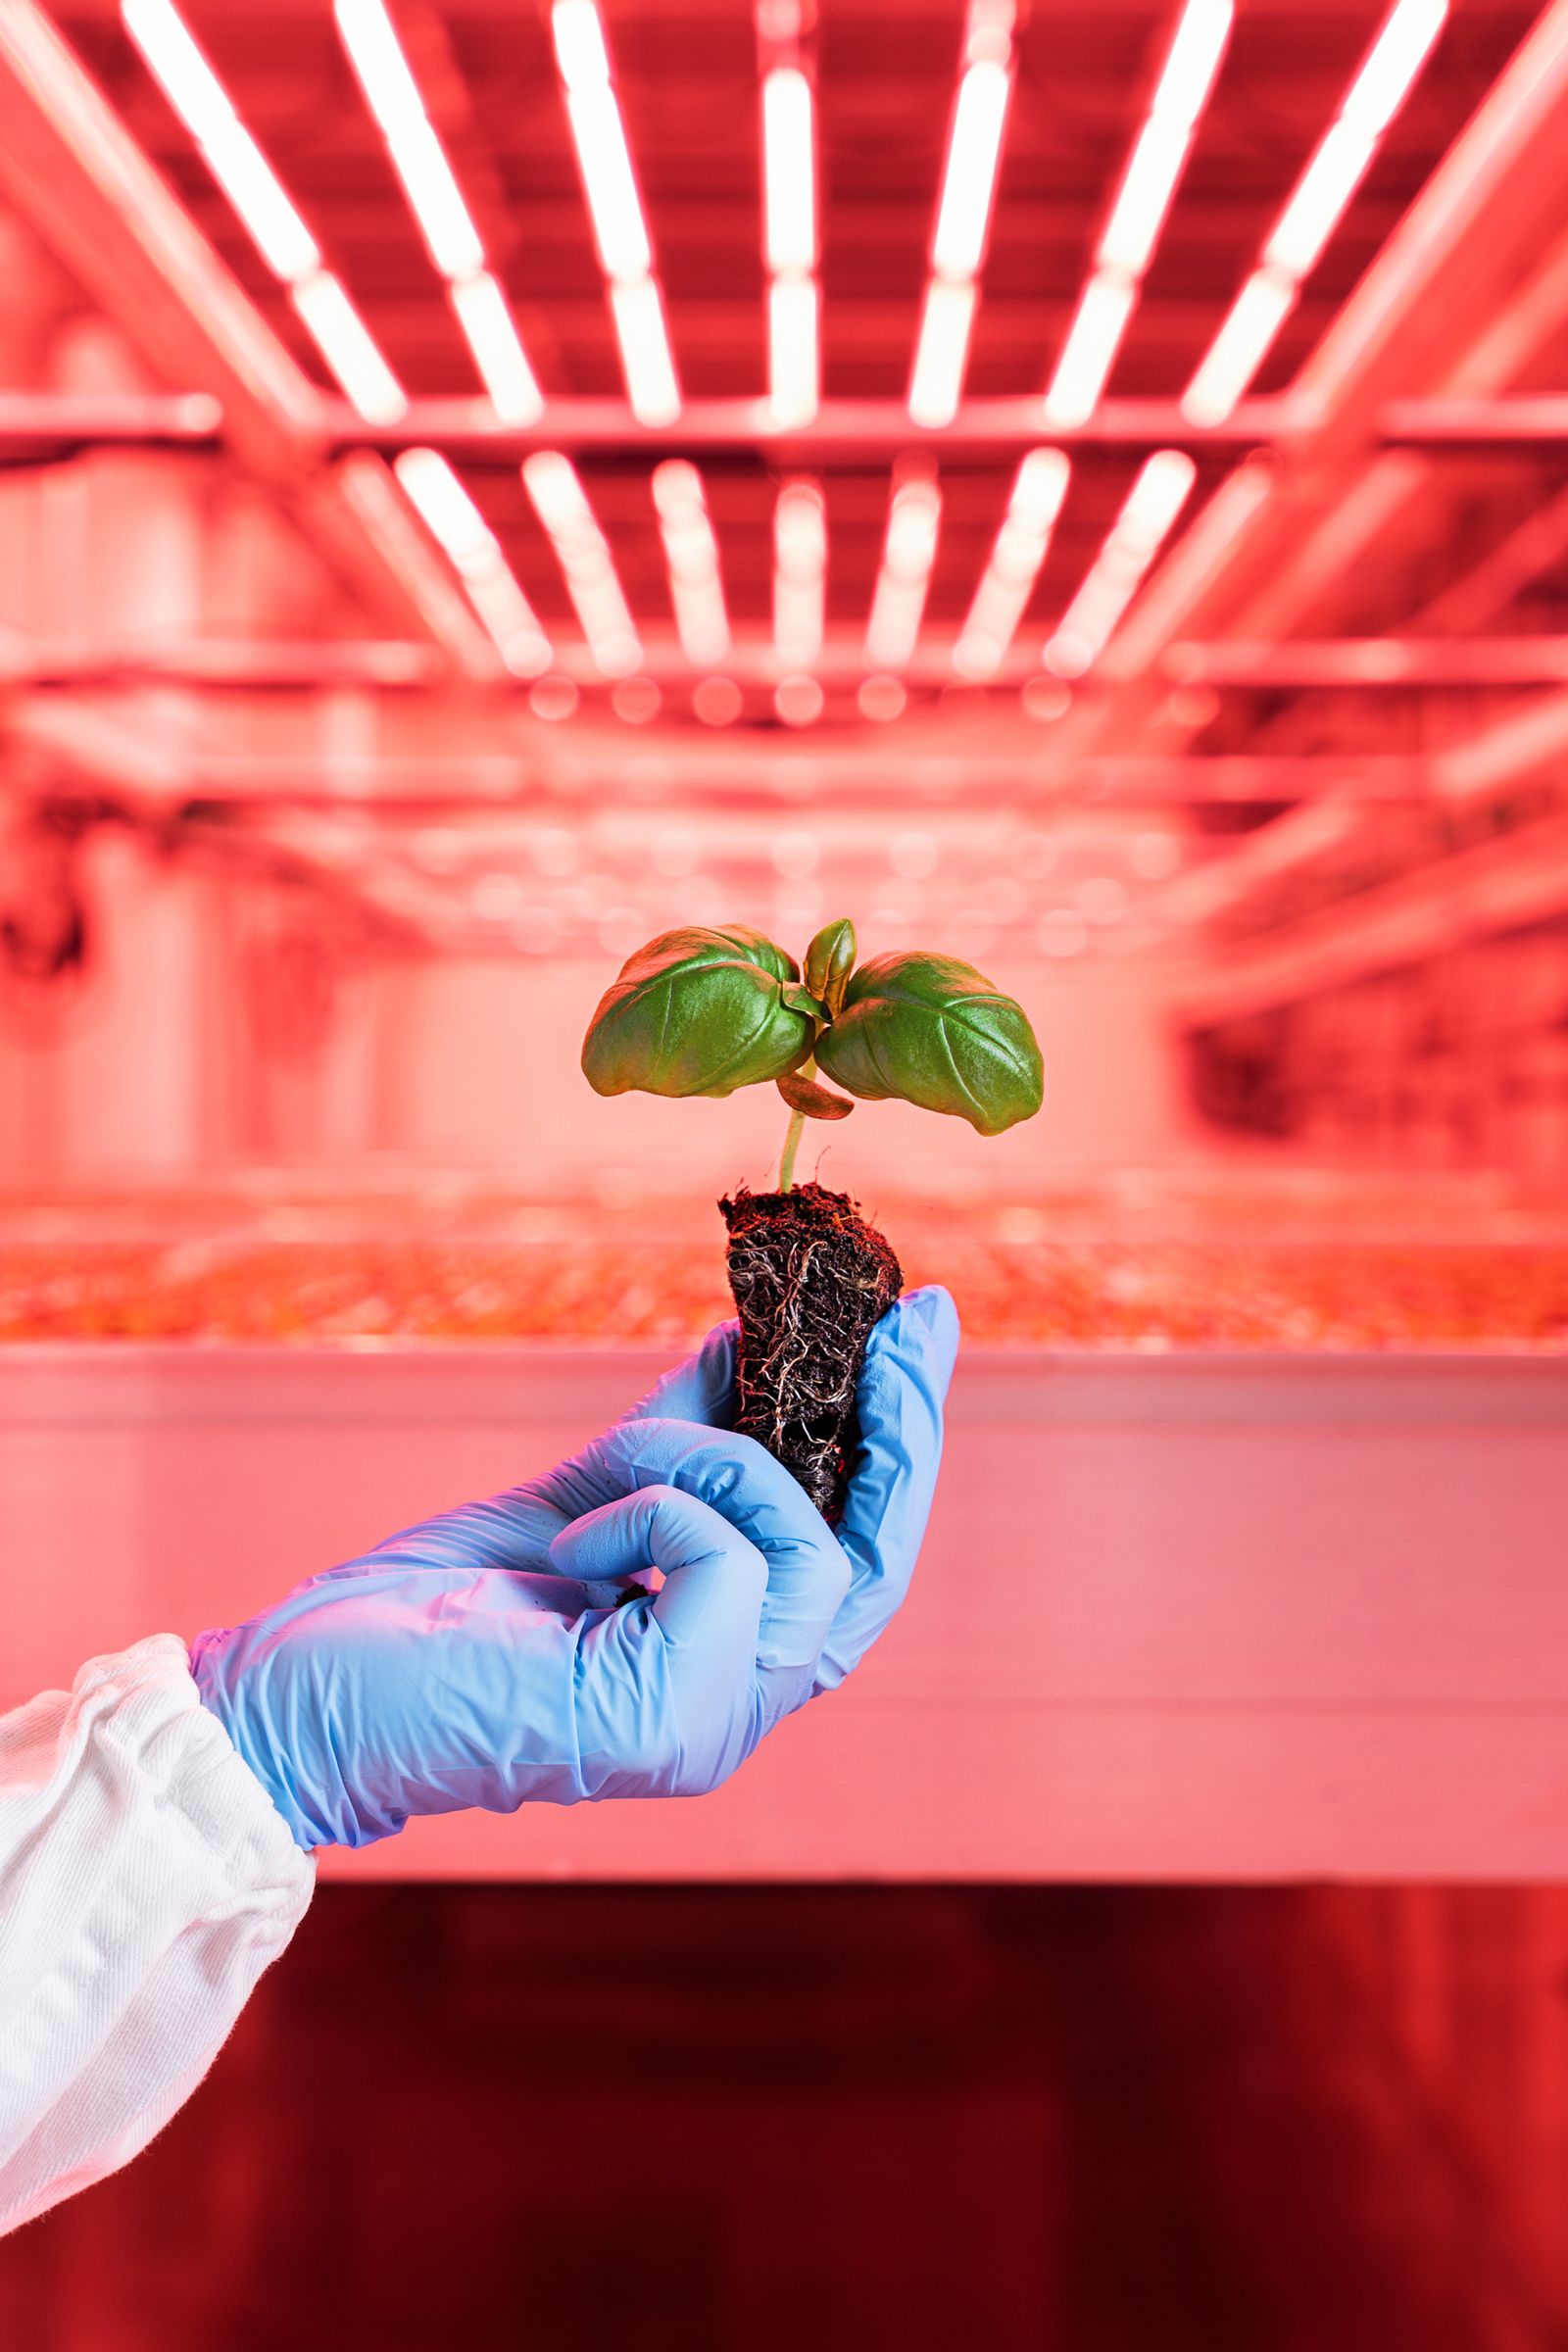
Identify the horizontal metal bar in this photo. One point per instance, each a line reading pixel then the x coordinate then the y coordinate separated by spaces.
pixel 262 665
pixel 38 428
pixel 1527 425
pixel 843 433
pixel 1370 663
pixel 1498 887
pixel 248 665
pixel 985 430
pixel 42 427
pixel 701 767
pixel 224 664
pixel 796 775
pixel 266 665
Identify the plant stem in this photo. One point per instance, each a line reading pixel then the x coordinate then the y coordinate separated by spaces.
pixel 793 1134
pixel 792 1144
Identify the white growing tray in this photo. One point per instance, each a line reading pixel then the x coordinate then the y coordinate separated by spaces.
pixel 1190 1616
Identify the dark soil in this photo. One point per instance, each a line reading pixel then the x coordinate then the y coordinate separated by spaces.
pixel 811 1277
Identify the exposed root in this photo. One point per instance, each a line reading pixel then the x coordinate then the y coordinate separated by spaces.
pixel 810 1278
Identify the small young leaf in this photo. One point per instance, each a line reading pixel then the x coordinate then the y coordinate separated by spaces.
pixel 817 1102
pixel 801 999
pixel 698 1012
pixel 829 961
pixel 932 1031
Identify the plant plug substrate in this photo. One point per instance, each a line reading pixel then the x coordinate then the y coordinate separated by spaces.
pixel 811 1279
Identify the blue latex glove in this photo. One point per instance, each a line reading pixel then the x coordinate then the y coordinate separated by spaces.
pixel 490 1655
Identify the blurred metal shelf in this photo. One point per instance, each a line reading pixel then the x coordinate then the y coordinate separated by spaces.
pixel 1196 1616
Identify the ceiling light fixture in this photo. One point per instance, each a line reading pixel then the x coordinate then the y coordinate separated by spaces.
pixel 1138 215
pixel 615 209
pixel 909 552
pixel 341 336
pixel 1264 302
pixel 1317 205
pixel 587 567
pixel 1002 596
pixel 1105 311
pixel 799 575
pixel 417 155
pixel 264 207
pixel 1150 508
pixel 690 551
pixel 790 244
pixel 347 347
pixel 436 201
pixel 970 175
pixel 232 154
pixel 451 517
pixel 483 313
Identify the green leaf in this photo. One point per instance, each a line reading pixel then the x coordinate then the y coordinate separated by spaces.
pixel 829 961
pixel 801 999
pixel 745 941
pixel 698 1012
pixel 929 1030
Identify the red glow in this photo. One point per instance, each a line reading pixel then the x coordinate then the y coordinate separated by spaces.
pixel 1079 492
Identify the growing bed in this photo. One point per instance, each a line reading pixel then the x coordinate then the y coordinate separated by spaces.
pixel 569 1279
pixel 1268 1579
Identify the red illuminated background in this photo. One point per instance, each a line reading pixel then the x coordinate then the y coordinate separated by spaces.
pixel 1080 487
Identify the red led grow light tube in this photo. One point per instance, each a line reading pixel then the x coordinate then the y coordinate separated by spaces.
pixel 1290 253
pixel 286 245
pixel 1122 257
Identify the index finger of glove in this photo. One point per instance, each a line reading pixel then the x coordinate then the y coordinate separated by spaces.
pixel 515 1529
pixel 702 1389
pixel 808 1572
pixel 899 1401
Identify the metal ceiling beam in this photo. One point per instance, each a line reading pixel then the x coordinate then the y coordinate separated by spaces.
pixel 1526 426
pixel 280 665
pixel 992 432
pixel 38 426
pixel 987 429
pixel 35 425
pixel 42 427
pixel 77 177
pixel 1501 886
pixel 1497 758
pixel 1480 595
pixel 603 767
pixel 402 786
pixel 283 665
pixel 1527 743
pixel 230 666
pixel 1297 664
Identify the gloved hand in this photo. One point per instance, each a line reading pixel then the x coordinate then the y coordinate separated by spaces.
pixel 492 1655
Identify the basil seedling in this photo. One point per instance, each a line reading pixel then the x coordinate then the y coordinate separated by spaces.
pixel 702 1011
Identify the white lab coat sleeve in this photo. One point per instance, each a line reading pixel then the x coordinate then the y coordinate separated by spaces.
pixel 146 1881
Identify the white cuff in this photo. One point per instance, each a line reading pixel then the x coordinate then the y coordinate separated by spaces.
pixel 146 1881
